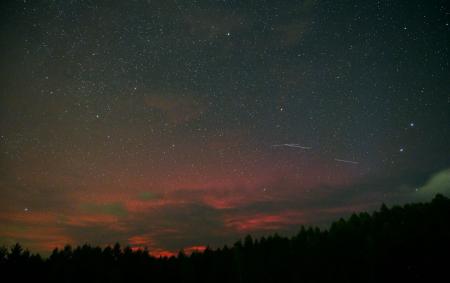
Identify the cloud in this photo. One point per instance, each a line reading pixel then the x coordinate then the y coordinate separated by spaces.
pixel 267 222
pixel 177 107
pixel 439 183
pixel 194 249
pixel 292 33
pixel 148 196
pixel 210 215
pixel 114 209
pixel 178 225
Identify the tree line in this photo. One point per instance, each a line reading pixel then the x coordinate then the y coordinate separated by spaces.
pixel 409 243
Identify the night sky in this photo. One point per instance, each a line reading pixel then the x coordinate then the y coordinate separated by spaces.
pixel 179 124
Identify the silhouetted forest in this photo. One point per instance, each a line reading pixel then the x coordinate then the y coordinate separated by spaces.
pixel 403 244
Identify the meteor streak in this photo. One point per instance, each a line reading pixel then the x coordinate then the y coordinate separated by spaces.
pixel 346 161
pixel 296 145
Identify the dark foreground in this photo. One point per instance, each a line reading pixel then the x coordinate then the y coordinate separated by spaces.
pixel 402 244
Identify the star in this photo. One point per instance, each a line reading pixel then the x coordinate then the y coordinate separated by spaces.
pixel 411 124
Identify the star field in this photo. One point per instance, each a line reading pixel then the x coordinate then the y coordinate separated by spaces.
pixel 178 124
